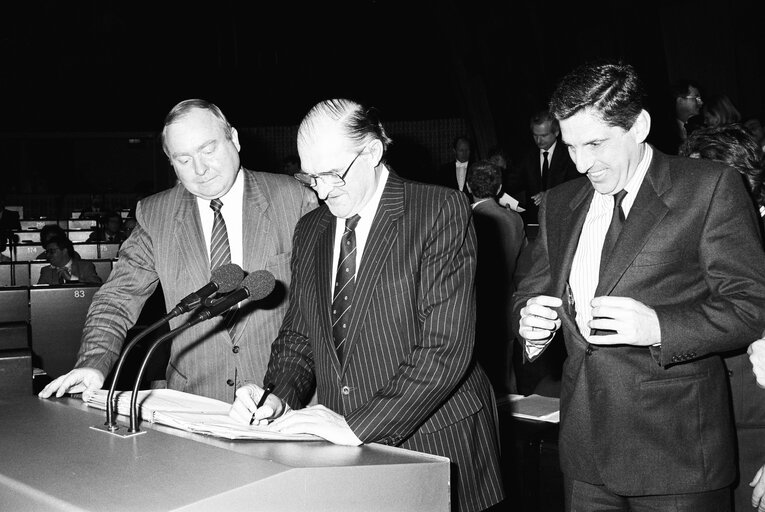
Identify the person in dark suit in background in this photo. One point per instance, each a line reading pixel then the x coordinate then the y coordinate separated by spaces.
pixel 453 174
pixel 733 145
pixel 501 238
pixel 109 230
pixel 652 267
pixel 543 168
pixel 172 245
pixel 388 343
pixel 65 265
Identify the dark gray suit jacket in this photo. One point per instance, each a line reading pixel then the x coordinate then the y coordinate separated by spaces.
pixel 647 421
pixel 168 246
pixel 408 377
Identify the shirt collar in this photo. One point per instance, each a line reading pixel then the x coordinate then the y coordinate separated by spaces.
pixel 633 185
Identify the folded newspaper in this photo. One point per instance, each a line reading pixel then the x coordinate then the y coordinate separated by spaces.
pixel 193 413
pixel 533 407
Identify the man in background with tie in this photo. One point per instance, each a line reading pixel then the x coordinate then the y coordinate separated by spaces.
pixel 218 213
pixel 382 313
pixel 652 267
pixel 543 168
pixel 454 174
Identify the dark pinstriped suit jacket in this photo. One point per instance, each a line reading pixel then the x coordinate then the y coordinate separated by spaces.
pixel 168 247
pixel 408 376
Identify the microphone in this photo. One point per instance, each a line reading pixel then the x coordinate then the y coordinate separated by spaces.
pixel 223 279
pixel 257 285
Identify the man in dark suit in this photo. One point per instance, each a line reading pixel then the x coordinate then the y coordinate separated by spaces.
pixel 653 268
pixel 388 343
pixel 543 168
pixel 65 266
pixel 501 238
pixel 172 244
pixel 453 174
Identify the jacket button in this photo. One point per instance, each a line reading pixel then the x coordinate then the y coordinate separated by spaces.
pixel 588 351
pixel 230 382
pixel 235 350
pixel 730 373
pixel 345 390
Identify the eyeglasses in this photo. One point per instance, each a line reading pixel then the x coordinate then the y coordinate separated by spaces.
pixel 697 98
pixel 331 179
pixel 52 250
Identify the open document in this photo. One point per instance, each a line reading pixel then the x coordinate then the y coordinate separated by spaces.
pixel 192 413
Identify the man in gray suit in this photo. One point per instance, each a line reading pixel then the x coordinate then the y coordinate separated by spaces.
pixel 652 267
pixel 171 245
pixel 389 348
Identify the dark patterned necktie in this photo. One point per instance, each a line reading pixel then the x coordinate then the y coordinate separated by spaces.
pixel 545 170
pixel 617 221
pixel 345 285
pixel 220 254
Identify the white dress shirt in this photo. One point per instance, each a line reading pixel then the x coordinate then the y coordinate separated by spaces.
pixel 231 210
pixel 367 215
pixel 461 174
pixel 585 268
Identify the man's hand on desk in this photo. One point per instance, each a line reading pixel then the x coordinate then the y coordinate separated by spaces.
pixel 635 323
pixel 79 380
pixel 245 408
pixel 319 421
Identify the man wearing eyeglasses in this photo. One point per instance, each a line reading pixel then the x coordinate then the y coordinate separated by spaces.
pixel 218 213
pixel 382 311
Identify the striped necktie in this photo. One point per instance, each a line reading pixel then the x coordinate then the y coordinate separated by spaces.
pixel 220 254
pixel 345 285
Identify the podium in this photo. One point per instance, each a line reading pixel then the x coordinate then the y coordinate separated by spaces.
pixel 53 461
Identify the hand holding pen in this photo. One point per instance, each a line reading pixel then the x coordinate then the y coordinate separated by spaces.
pixel 256 406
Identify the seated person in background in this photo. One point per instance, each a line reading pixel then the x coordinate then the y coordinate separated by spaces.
pixel 65 265
pixel 46 233
pixel 3 245
pixel 9 219
pixel 500 240
pixel 128 226
pixel 497 157
pixel 291 164
pixel 109 230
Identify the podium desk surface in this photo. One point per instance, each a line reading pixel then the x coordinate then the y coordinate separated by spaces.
pixel 53 461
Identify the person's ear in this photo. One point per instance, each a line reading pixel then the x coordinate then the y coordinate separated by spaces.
pixel 376 152
pixel 641 127
pixel 235 139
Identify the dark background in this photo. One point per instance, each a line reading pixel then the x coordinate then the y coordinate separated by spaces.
pixel 86 84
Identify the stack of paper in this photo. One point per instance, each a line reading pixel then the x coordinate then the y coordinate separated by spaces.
pixel 189 412
pixel 534 407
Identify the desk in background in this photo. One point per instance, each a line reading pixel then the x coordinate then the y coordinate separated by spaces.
pixel 53 461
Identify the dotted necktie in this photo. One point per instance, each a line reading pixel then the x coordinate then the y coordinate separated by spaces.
pixel 617 221
pixel 220 254
pixel 345 285
pixel 545 170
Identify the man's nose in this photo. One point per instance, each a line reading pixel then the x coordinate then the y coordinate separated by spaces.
pixel 322 189
pixel 200 167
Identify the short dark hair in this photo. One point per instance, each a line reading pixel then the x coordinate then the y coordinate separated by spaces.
pixel 186 106
pixel 680 88
pixel 610 90
pixel 49 231
pixel 458 138
pixel 733 145
pixel 543 116
pixel 484 179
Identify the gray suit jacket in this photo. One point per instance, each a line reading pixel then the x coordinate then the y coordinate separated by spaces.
pixel 167 246
pixel 656 420
pixel 408 377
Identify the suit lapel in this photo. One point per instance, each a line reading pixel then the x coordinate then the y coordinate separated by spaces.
pixel 380 241
pixel 256 225
pixel 190 240
pixel 323 251
pixel 646 212
pixel 564 233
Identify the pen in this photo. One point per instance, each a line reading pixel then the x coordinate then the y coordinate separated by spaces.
pixel 269 389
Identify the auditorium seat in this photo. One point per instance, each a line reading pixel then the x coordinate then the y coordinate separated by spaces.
pixel 78 236
pixel 87 251
pixel 103 268
pixel 108 251
pixel 14 274
pixel 35 224
pixel 57 317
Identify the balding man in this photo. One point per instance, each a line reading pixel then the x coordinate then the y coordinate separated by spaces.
pixel 382 315
pixel 179 239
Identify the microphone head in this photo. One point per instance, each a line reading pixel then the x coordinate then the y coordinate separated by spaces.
pixel 259 283
pixel 228 277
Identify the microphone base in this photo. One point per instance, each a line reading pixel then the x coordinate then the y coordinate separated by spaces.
pixel 121 431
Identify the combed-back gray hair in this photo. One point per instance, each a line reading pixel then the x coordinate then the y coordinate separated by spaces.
pixel 361 124
pixel 186 106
